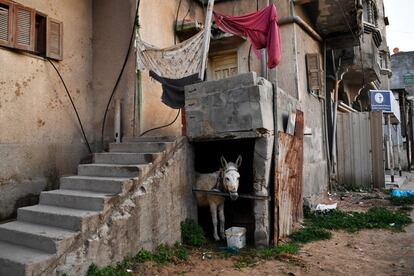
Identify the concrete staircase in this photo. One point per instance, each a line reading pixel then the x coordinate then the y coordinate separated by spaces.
pixel 43 233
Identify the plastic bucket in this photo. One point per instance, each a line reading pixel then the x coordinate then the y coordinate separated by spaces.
pixel 236 237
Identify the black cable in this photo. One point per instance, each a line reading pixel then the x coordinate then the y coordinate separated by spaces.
pixel 73 105
pixel 120 73
pixel 155 128
pixel 176 22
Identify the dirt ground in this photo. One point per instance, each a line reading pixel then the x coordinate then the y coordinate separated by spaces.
pixel 368 252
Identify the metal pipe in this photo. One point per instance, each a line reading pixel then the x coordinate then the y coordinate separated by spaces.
pixel 256 197
pixel 117 121
pixel 207 34
pixel 305 26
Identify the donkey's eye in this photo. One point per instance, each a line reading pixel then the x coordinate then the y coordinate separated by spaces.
pixel 227 179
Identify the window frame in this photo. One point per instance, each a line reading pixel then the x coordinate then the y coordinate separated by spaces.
pixel 31 47
pixel 10 41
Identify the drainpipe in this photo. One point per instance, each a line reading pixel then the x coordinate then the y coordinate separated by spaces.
pixel 305 26
pixel 117 121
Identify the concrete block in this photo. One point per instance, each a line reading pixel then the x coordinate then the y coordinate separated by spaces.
pixel 110 170
pixel 124 158
pixel 236 82
pixel 214 108
pixel 36 236
pixel 141 147
pixel 85 200
pixel 111 185
pixel 149 139
pixel 71 219
pixel 19 260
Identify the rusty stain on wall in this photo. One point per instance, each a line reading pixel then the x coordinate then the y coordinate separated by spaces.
pixel 288 208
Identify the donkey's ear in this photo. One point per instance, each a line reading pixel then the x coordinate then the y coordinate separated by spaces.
pixel 239 161
pixel 223 162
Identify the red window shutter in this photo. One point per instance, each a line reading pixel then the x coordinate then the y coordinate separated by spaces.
pixel 6 23
pixel 24 31
pixel 54 39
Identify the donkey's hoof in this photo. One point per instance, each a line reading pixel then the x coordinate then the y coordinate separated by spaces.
pixel 217 238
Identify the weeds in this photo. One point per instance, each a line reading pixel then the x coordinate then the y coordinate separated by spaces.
pixel 401 201
pixel 309 234
pixel 406 208
pixel 377 217
pixel 244 262
pixel 162 255
pixel 142 256
pixel 272 252
pixel 192 233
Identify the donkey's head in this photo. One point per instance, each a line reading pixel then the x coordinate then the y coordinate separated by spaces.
pixel 231 176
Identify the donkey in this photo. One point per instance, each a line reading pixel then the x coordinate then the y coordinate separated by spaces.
pixel 225 180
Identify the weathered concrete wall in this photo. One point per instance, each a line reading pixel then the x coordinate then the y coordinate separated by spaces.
pixel 157 20
pixel 40 137
pixel 402 63
pixel 144 217
pixel 112 28
pixel 293 93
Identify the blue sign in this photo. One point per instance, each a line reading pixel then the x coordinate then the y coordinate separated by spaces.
pixel 380 100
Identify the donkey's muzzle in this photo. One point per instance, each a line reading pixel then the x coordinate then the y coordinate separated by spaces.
pixel 234 196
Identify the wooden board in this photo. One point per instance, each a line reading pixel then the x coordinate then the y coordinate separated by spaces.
pixel 288 188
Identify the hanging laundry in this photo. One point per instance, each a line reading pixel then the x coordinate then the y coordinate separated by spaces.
pixel 259 27
pixel 174 67
pixel 173 89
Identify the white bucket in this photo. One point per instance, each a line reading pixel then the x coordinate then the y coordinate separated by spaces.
pixel 236 237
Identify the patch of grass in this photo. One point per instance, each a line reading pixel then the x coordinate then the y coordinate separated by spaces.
pixel 309 234
pixel 244 262
pixel 162 255
pixel 401 201
pixel 406 208
pixel 272 252
pixel 192 234
pixel 376 217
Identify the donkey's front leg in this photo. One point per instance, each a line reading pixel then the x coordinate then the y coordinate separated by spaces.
pixel 213 211
pixel 222 220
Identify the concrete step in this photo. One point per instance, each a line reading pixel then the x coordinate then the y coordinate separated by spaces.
pixel 111 170
pixel 124 158
pixel 112 185
pixel 84 200
pixel 71 219
pixel 149 139
pixel 41 237
pixel 139 147
pixel 18 260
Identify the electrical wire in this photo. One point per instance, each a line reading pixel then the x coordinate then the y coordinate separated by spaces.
pixel 155 128
pixel 120 73
pixel 73 105
pixel 176 22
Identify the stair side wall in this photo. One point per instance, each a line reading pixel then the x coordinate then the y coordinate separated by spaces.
pixel 146 217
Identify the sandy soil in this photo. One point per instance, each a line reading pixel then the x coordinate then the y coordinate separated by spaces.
pixel 368 252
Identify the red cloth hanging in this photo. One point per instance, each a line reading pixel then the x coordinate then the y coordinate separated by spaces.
pixel 259 27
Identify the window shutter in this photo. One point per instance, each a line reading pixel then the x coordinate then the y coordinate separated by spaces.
pixel 6 23
pixel 54 39
pixel 24 31
pixel 314 73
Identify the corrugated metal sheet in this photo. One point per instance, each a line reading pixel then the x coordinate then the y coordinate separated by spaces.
pixel 289 203
pixel 356 137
